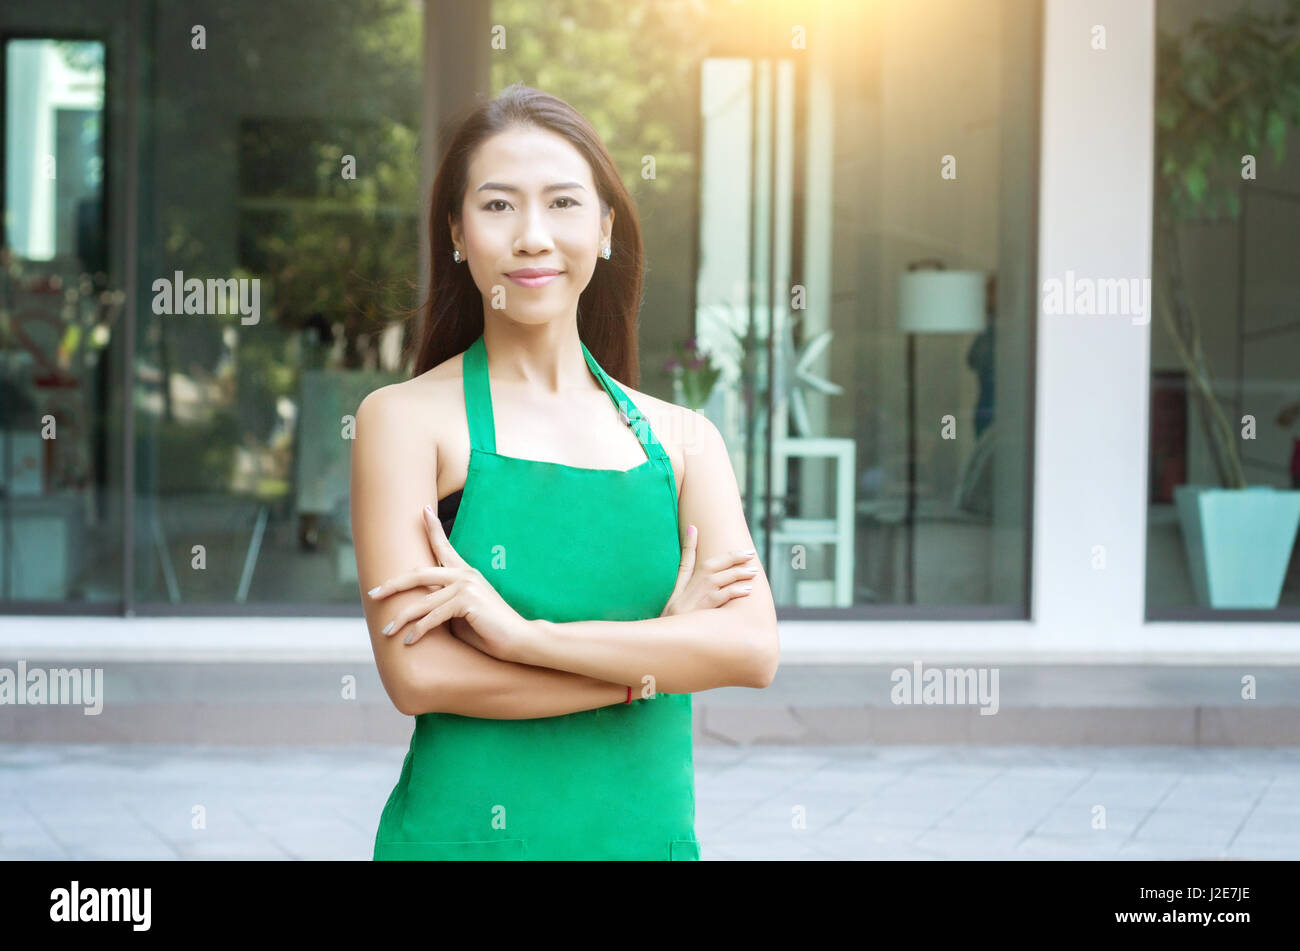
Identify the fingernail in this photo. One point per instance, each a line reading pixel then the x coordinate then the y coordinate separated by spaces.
pixel 746 587
pixel 375 590
pixel 429 509
pixel 410 637
pixel 692 529
pixel 388 627
pixel 747 551
pixel 751 571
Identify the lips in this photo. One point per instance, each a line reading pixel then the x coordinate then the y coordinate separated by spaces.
pixel 534 276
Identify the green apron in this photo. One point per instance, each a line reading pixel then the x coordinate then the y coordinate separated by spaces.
pixel 566 544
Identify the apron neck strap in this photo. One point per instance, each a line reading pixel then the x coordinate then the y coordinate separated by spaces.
pixel 627 409
pixel 478 398
pixel 478 402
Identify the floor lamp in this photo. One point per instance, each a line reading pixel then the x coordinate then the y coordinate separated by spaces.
pixel 931 300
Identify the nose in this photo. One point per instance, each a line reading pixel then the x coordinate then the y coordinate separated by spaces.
pixel 535 237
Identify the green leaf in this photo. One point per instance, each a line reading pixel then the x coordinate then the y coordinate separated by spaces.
pixel 1198 89
pixel 1275 131
pixel 1194 181
pixel 1166 115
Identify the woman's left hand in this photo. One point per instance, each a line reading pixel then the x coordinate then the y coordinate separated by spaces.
pixel 463 600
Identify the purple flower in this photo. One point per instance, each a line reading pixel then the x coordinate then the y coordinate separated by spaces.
pixel 672 366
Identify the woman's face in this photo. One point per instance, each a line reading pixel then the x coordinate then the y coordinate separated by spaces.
pixel 530 207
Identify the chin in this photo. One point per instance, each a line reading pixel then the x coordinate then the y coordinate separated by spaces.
pixel 528 318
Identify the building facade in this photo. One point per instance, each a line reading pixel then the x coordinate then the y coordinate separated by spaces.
pixel 947 262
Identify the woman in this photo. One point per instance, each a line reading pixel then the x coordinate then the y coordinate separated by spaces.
pixel 549 646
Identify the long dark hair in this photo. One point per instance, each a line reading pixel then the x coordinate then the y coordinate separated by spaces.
pixel 607 308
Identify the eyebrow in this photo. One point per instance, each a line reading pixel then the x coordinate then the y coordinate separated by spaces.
pixel 497 186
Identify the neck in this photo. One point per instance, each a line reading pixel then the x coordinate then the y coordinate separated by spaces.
pixel 546 357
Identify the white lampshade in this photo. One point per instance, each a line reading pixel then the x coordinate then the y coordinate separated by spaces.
pixel 941 302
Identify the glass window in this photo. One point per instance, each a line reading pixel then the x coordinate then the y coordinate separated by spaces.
pixel 838 207
pixel 279 216
pixel 60 526
pixel 861 179
pixel 1224 499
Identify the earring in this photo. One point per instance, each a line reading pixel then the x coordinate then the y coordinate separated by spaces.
pixel 455 255
pixel 605 253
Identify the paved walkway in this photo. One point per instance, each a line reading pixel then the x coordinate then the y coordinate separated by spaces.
pixel 65 801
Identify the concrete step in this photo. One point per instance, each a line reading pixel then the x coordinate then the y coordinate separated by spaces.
pixel 283 703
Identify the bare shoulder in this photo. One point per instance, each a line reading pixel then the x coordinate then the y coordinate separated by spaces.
pixel 412 413
pixel 683 432
pixel 663 415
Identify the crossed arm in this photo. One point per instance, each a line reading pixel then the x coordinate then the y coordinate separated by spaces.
pixel 732 645
pixel 572 666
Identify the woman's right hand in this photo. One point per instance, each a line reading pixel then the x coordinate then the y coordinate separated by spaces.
pixel 719 579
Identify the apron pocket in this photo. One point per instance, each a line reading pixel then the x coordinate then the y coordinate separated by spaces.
pixel 487 850
pixel 684 850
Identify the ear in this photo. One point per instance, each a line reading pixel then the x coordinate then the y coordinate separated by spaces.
pixel 607 226
pixel 457 232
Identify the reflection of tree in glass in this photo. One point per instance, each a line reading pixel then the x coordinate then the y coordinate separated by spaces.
pixel 328 251
pixel 1227 88
pixel 343 249
pixel 631 69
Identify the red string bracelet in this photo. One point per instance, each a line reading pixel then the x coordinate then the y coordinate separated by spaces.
pixel 629 695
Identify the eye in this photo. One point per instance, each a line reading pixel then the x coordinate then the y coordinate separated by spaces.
pixel 488 206
pixel 571 202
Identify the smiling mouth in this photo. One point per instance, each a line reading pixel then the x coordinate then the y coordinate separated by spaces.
pixel 526 279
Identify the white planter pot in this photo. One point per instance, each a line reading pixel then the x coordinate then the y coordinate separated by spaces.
pixel 1238 542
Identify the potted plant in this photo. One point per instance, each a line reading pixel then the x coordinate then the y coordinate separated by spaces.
pixel 1227 90
pixel 694 375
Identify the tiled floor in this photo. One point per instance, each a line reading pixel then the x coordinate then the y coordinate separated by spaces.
pixel 757 802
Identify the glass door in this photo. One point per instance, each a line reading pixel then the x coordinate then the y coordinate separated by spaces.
pixel 57 313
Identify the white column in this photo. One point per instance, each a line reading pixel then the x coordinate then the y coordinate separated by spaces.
pixel 1090 462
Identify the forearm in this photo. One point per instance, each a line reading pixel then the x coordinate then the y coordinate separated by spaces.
pixel 682 653
pixel 449 676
